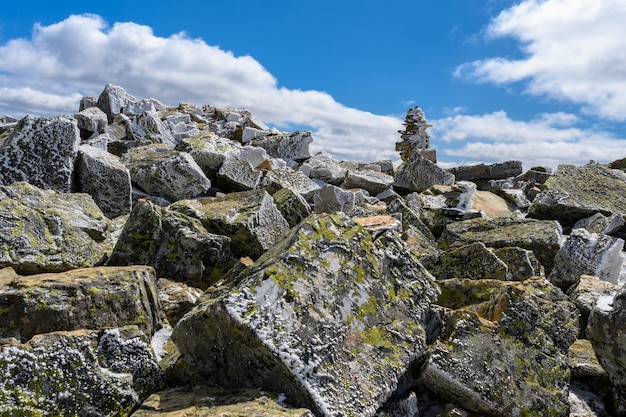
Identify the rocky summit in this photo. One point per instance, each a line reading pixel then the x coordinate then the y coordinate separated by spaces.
pixel 191 260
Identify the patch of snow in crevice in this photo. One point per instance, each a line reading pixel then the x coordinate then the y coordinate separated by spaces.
pixel 159 340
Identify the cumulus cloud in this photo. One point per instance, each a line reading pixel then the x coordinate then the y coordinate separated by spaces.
pixel 573 50
pixel 61 62
pixel 548 140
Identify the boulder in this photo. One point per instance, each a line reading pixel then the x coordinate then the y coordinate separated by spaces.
pixel 576 192
pixel 371 181
pixel 293 147
pixel 492 205
pixel 91 120
pixel 41 151
pixel 236 174
pixel 250 219
pixel 417 174
pixel 586 293
pixel 293 207
pixel 587 253
pixel 112 100
pixel 177 246
pixel 498 170
pixel 331 199
pixel 583 360
pixel 607 331
pixel 148 125
pixel 599 223
pixel 102 176
pixel 208 150
pixel 216 402
pixel 323 167
pixel 330 316
pixel 543 237
pixel 46 231
pixel 83 372
pixel 164 172
pixel 89 298
pixel 473 261
pixel 285 177
pixel 409 217
pixel 177 298
pixel 522 263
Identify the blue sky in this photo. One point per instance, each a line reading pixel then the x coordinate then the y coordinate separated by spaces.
pixel 540 81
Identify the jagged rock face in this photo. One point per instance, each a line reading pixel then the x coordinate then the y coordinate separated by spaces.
pixel 84 372
pixel 113 99
pixel 286 177
pixel 576 192
pixel 91 120
pixel 106 180
pixel 330 199
pixel 291 205
pixel 45 231
pixel 215 402
pixel 41 151
pixel 165 172
pixel 323 167
pixel 522 263
pixel 590 254
pixel 294 147
pixel 209 151
pixel 90 298
pixel 541 236
pixel 607 331
pixel 251 219
pixel 417 174
pixel 472 261
pixel 330 316
pixel 148 125
pixel 177 246
pixel 236 174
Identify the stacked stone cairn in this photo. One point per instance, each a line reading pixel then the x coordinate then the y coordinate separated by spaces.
pixel 191 260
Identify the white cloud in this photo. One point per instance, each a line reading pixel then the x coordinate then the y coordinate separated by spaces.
pixel 573 50
pixel 548 140
pixel 48 74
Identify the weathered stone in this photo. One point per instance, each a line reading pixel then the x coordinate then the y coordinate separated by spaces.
pixel 607 331
pixel 330 316
pixel 89 298
pixel 165 172
pixel 515 196
pixel 330 199
pixel 576 192
pixel 215 402
pixel 84 372
pixel 293 207
pixel 87 102
pixel 409 217
pixel 322 166
pixel 42 152
pixel 249 218
pixel 498 170
pixel 492 205
pixel 208 150
pixel 590 254
pixel 379 223
pixel 105 179
pixel 176 298
pixel 253 155
pixel 45 231
pixel 618 164
pixel 177 246
pixel 586 293
pixel 418 174
pixel 583 360
pixel 149 126
pixel 420 245
pixel 91 120
pixel 371 181
pixel 522 263
pixel 473 261
pixel 286 177
pixel 598 223
pixel 293 147
pixel 113 99
pixel 543 237
pixel 237 175
pixel 246 134
pixel 460 195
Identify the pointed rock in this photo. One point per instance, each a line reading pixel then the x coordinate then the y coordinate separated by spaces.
pixel 113 99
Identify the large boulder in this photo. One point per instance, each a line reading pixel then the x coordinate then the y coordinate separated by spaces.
pixel 41 151
pixel 105 179
pixel 498 170
pixel 113 99
pixel 91 120
pixel 586 293
pixel 371 181
pixel 209 151
pixel 236 174
pixel 293 147
pixel 417 174
pixel 165 172
pixel 78 373
pixel 543 237
pixel 177 246
pixel 323 167
pixel 47 231
pixel 473 261
pixel 89 298
pixel 250 218
pixel 148 125
pixel 330 316
pixel 576 192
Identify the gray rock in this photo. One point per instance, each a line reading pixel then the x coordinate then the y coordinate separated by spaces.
pixel 417 174
pixel 149 126
pixel 598 223
pixel 586 293
pixel 291 205
pixel 102 176
pixel 473 261
pixel 87 102
pixel 177 298
pixel 165 172
pixel 209 151
pixel 371 181
pixel 589 254
pixel 251 219
pixel 113 99
pixel 42 152
pixel 84 372
pixel 46 231
pixel 330 316
pixel 254 155
pixel 323 167
pixel 91 120
pixel 522 263
pixel 89 298
pixel 543 237
pixel 177 246
pixel 330 199
pixel 498 170
pixel 236 174
pixel 285 177
pixel 135 108
pixel 293 147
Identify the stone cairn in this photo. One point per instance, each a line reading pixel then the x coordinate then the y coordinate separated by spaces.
pixel 414 137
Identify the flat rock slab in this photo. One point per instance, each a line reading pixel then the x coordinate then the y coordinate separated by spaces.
pixel 330 316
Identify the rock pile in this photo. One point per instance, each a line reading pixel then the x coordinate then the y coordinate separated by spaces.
pixel 187 260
